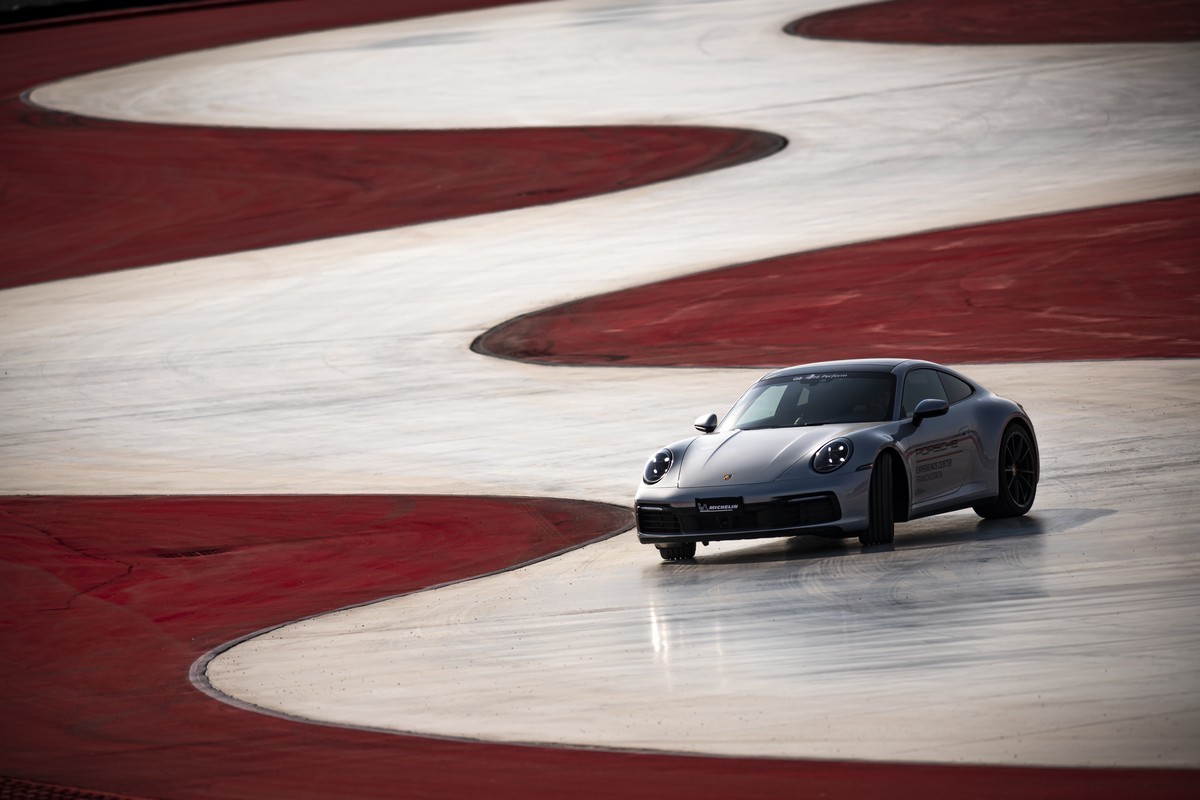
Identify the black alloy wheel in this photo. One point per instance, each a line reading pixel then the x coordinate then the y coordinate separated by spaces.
pixel 1018 476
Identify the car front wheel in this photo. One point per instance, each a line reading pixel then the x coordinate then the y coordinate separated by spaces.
pixel 881 512
pixel 1018 476
pixel 680 551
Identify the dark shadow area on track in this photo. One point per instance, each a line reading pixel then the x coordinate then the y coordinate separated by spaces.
pixel 30 13
pixel 949 531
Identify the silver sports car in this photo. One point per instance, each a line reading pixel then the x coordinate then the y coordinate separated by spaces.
pixel 836 449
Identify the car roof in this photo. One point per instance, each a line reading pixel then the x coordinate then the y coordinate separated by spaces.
pixel 849 365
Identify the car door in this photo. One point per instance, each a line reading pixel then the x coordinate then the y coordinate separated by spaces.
pixel 942 451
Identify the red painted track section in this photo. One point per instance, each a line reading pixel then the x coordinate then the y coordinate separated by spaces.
pixel 109 600
pixel 1119 282
pixel 1010 22
pixel 149 194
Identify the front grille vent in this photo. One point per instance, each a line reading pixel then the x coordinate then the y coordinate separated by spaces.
pixel 657 521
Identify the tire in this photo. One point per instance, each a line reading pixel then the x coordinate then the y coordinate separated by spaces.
pixel 881 512
pixel 1018 476
pixel 680 551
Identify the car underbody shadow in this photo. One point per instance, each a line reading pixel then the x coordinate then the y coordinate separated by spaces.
pixel 950 530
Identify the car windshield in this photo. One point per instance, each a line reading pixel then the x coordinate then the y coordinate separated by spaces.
pixel 814 399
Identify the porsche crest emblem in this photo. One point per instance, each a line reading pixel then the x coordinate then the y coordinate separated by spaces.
pixel 727 477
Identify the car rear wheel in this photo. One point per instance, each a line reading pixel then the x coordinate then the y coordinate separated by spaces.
pixel 1018 476
pixel 680 551
pixel 881 512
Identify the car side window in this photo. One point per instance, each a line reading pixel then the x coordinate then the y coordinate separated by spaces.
pixel 920 384
pixel 956 389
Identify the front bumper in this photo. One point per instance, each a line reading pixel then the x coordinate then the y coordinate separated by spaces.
pixel 836 508
pixel 785 516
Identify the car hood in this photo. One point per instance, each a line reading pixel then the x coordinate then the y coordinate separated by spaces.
pixel 752 456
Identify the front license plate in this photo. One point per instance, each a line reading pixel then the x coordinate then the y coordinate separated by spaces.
pixel 719 505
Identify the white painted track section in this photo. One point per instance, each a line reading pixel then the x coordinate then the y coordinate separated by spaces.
pixel 343 366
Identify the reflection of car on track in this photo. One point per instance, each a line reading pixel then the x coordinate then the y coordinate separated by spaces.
pixel 839 448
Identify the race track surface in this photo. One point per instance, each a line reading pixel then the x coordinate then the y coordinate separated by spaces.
pixel 239 394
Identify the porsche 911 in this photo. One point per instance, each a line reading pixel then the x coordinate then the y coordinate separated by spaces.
pixel 839 449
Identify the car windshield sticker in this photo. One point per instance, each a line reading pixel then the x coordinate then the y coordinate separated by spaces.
pixel 822 376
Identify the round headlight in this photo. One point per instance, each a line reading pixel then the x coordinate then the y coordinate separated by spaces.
pixel 658 465
pixel 833 455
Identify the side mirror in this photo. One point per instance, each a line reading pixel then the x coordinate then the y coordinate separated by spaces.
pixel 929 407
pixel 706 424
